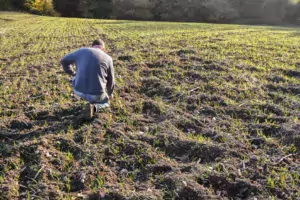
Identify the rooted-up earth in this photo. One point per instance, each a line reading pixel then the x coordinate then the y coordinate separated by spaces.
pixel 201 111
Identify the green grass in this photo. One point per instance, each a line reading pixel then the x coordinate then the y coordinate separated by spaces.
pixel 193 104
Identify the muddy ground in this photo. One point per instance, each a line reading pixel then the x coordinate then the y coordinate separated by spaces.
pixel 181 126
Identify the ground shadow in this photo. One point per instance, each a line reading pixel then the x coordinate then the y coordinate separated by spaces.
pixel 12 143
pixel 117 22
pixel 31 171
pixel 59 121
pixel 295 34
pixel 6 19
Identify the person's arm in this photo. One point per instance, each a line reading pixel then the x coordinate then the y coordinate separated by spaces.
pixel 110 86
pixel 67 62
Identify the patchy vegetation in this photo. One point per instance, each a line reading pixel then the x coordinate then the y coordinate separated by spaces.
pixel 201 111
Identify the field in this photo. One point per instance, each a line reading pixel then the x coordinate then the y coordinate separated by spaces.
pixel 201 111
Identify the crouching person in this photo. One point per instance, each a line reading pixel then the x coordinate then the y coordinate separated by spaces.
pixel 93 79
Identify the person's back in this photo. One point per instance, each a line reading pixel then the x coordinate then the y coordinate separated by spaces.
pixel 94 77
pixel 92 73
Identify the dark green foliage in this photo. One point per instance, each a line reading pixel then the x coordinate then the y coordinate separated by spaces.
pixel 19 4
pixel 99 9
pixel 67 8
pixel 5 4
pixel 9 4
pixel 84 8
pixel 293 14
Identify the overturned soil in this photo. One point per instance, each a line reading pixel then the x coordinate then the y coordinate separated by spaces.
pixel 181 125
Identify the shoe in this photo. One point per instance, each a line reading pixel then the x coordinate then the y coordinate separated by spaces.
pixel 92 110
pixel 101 107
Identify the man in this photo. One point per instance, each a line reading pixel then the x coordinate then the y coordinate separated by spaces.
pixel 94 76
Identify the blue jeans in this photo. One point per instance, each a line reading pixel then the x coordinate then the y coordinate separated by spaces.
pixel 94 99
pixel 99 101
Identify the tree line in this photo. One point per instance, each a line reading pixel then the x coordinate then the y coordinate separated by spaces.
pixel 218 11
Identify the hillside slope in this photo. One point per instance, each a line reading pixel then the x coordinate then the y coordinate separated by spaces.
pixel 201 111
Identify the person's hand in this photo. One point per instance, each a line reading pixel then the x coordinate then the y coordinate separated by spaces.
pixel 111 97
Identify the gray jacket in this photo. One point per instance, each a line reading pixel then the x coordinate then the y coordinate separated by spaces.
pixel 94 71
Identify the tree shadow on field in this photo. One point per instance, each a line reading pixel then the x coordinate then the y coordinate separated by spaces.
pixel 295 34
pixel 6 19
pixel 58 121
pixel 117 22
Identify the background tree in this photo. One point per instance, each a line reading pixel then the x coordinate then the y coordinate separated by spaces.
pixel 40 7
pixel 95 8
pixel 5 4
pixel 19 4
pixel 274 11
pixel 220 11
pixel 133 9
pixel 67 8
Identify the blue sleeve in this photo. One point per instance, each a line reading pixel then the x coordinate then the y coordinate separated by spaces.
pixel 110 79
pixel 68 61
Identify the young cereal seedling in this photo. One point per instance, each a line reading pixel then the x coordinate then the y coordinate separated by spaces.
pixel 234 90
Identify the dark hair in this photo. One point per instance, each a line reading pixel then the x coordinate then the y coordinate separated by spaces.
pixel 99 42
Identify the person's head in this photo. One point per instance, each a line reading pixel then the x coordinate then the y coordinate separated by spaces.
pixel 99 44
